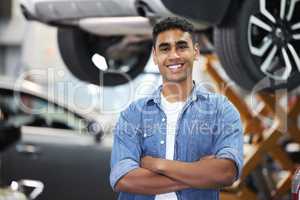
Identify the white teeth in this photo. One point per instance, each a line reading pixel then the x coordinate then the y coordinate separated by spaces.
pixel 174 66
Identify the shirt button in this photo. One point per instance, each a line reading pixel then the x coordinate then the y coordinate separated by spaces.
pixel 162 142
pixel 163 119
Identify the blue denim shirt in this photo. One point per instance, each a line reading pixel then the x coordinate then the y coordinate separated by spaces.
pixel 207 125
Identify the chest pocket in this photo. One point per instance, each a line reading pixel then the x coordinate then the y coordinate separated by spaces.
pixel 199 139
pixel 150 142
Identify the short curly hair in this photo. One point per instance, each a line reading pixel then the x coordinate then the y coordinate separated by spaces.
pixel 172 23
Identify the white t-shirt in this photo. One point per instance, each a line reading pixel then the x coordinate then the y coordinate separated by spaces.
pixel 172 111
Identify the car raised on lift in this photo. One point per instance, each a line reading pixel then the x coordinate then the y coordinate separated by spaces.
pixel 257 41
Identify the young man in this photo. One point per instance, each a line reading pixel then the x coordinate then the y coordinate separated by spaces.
pixel 182 142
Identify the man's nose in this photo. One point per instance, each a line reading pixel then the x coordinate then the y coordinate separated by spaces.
pixel 173 54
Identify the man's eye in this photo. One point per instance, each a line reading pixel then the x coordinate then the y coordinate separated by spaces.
pixel 164 49
pixel 182 46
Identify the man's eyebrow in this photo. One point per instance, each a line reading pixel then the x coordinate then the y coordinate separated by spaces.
pixel 181 42
pixel 164 44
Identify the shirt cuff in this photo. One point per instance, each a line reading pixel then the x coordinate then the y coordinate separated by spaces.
pixel 231 154
pixel 120 169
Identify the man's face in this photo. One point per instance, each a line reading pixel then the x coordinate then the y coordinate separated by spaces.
pixel 175 53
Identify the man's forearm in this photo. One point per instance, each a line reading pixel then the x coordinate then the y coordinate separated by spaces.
pixel 144 181
pixel 206 173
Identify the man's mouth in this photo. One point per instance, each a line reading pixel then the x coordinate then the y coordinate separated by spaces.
pixel 175 66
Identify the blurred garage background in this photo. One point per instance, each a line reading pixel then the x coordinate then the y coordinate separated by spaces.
pixel 55 128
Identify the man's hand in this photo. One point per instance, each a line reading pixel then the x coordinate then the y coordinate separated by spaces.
pixel 156 164
pixel 208 172
pixel 144 181
pixel 151 163
pixel 208 157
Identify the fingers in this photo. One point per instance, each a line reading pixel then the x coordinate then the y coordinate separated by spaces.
pixel 208 157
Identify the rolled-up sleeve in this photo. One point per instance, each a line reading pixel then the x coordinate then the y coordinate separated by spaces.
pixel 229 137
pixel 126 149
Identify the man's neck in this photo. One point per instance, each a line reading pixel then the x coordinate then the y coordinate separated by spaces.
pixel 175 92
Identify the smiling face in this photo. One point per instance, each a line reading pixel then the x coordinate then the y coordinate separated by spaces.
pixel 175 53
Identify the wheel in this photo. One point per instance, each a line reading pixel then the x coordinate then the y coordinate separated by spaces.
pixel 259 45
pixel 126 56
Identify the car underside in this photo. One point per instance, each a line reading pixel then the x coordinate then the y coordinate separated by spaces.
pixel 257 41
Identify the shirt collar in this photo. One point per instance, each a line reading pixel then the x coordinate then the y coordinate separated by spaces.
pixel 197 91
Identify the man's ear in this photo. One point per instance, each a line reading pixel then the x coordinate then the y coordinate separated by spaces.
pixel 154 56
pixel 197 51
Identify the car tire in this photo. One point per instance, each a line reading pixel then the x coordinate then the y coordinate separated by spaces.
pixel 77 48
pixel 240 40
